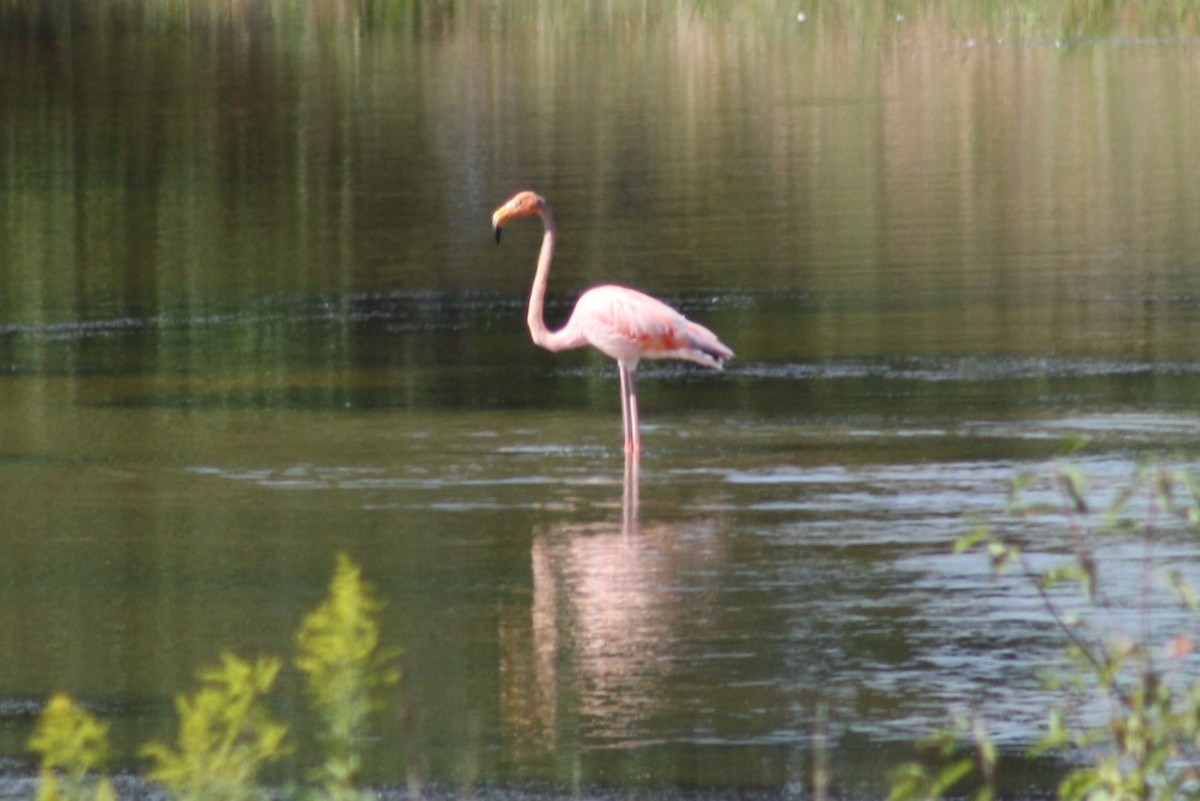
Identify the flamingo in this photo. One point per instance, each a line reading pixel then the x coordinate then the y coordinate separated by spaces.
pixel 622 323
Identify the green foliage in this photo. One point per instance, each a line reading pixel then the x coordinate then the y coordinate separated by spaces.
pixel 952 766
pixel 73 746
pixel 226 732
pixel 225 735
pixel 346 669
pixel 1147 746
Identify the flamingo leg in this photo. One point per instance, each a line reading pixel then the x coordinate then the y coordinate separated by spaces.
pixel 629 412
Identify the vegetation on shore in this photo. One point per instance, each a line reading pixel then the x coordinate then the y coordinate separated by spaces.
pixel 898 21
pixel 1128 697
pixel 227 733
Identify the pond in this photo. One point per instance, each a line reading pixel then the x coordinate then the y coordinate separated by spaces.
pixel 252 315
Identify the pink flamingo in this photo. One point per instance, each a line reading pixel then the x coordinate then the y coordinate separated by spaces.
pixel 620 322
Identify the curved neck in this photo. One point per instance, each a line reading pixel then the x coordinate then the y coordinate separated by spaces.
pixel 537 296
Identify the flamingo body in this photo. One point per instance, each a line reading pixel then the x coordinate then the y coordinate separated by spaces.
pixel 622 323
pixel 627 325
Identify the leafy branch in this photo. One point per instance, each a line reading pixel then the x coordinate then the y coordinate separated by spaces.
pixel 1147 745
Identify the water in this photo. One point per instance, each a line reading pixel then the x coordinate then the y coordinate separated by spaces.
pixel 252 315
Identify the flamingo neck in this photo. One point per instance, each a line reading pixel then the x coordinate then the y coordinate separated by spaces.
pixel 542 336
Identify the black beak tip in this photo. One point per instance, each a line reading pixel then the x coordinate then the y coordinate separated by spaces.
pixel 498 229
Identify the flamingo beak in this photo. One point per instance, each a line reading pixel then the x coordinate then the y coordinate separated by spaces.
pixel 498 222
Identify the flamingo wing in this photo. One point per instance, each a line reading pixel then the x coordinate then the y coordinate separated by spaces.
pixel 628 325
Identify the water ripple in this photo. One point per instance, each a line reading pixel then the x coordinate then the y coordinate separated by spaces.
pixel 967 368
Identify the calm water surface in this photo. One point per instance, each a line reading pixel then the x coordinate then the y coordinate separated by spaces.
pixel 251 315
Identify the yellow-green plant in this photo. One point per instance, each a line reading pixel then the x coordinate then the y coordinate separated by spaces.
pixel 340 654
pixel 73 746
pixel 226 734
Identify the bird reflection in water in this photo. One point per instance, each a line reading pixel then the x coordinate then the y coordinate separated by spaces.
pixel 611 605
pixel 629 496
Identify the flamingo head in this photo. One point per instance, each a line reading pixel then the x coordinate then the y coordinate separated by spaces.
pixel 522 204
